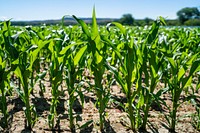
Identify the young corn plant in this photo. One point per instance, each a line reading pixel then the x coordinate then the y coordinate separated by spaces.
pixel 74 54
pixel 151 68
pixel 3 89
pixel 6 57
pixel 23 72
pixel 35 68
pixel 20 66
pixel 56 74
pixel 128 73
pixel 24 68
pixel 74 67
pixel 182 67
pixel 97 53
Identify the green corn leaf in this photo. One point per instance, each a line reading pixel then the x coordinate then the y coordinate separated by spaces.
pixel 1 60
pixel 33 57
pixel 104 38
pixel 192 59
pixel 83 25
pixel 95 35
pixel 154 74
pixel 181 73
pixel 172 62
pixel 11 49
pixel 16 36
pixel 98 58
pixel 162 20
pixel 79 55
pixel 153 60
pixel 154 45
pixel 40 35
pixel 118 77
pixel 153 32
pixel 140 101
pixel 19 74
pixel 94 25
pixel 3 64
pixel 134 72
pixel 51 45
pixel 43 44
pixel 194 68
pixel 62 52
pixel 61 61
pixel 186 82
pixel 120 26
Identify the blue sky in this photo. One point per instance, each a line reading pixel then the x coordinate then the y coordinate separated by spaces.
pixel 55 9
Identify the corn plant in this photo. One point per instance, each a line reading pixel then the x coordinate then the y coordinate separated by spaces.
pixel 97 52
pixel 28 55
pixel 151 68
pixel 137 59
pixel 56 71
pixel 8 54
pixel 3 87
pixel 127 73
pixel 74 66
pixel 23 72
pixel 182 67
pixel 4 74
pixel 74 70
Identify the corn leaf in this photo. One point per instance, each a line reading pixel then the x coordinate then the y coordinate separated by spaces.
pixel 62 52
pixel 181 73
pixel 117 76
pixel 94 26
pixel 120 26
pixel 83 25
pixel 19 74
pixel 79 55
pixel 187 80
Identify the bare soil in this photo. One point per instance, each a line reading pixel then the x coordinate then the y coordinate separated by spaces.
pixel 117 119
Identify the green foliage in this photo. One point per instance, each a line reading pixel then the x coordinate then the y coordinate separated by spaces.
pixel 138 58
pixel 192 22
pixel 127 19
pixel 97 56
pixel 188 13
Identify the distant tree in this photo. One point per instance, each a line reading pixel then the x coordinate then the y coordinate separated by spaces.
pixel 188 13
pixel 174 22
pixel 127 19
pixel 192 22
pixel 147 20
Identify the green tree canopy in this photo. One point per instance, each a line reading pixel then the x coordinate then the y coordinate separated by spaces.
pixel 147 20
pixel 127 19
pixel 188 13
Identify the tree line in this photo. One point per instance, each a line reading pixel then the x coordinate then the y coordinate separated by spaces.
pixel 186 16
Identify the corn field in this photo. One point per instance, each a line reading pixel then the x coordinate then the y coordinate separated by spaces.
pixel 145 64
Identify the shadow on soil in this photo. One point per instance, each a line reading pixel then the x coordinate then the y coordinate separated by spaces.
pixel 17 106
pixel 109 128
pixel 41 105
